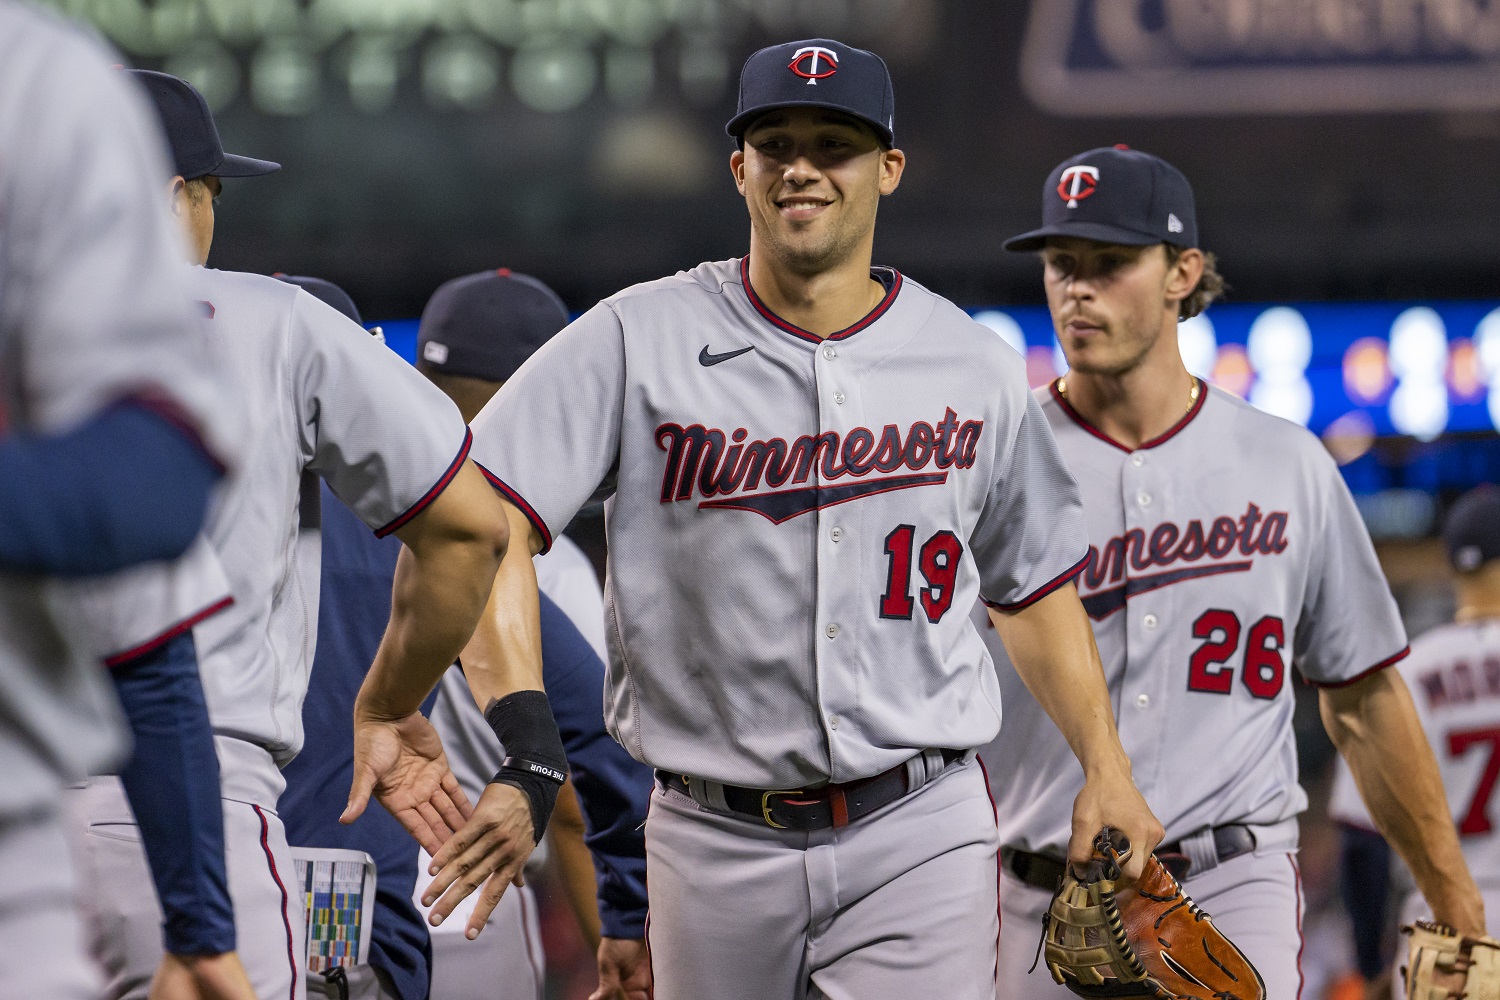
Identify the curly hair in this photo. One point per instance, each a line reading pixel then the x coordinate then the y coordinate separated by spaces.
pixel 1210 286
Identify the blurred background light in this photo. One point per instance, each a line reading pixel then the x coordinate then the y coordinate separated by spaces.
pixel 1199 347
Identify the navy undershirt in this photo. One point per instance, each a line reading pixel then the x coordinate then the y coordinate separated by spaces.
pixel 172 782
pixel 128 486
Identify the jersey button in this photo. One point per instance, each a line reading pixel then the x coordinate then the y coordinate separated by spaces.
pixel 833 722
pixel 829 353
pixel 1143 701
pixel 1143 498
pixel 837 534
pixel 838 397
pixel 1137 460
pixel 832 631
pixel 1149 621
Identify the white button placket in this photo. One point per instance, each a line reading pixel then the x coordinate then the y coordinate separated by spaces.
pixel 1141 503
pixel 835 556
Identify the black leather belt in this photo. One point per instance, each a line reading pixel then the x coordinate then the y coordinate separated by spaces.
pixel 1045 872
pixel 807 809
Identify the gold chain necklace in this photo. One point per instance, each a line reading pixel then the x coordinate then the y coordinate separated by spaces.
pixel 1062 390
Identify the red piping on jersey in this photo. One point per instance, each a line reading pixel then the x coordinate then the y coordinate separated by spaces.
pixel 150 645
pixel 286 918
pixel 1042 591
pixel 1388 661
pixel 521 505
pixel 432 494
pixel 1301 941
pixel 999 910
pixel 1170 433
pixel 797 331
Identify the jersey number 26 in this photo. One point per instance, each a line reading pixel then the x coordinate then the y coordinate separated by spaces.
pixel 1262 671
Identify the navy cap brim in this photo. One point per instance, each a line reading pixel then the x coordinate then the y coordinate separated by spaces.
pixel 741 122
pixel 1101 232
pixel 244 166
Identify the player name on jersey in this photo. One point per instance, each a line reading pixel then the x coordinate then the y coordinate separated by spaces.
pixel 712 463
pixel 1460 682
pixel 1228 544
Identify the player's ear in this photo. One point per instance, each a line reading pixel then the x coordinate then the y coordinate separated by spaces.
pixel 737 167
pixel 1183 274
pixel 892 165
pixel 175 187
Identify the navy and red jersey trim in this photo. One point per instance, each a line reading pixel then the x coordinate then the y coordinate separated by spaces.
pixel 797 331
pixel 153 644
pixel 1055 583
pixel 432 494
pixel 1387 662
pixel 1163 438
pixel 521 505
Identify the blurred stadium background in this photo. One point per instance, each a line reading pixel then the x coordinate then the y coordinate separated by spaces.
pixel 1345 154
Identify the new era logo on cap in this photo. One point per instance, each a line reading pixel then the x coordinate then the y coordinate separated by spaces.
pixel 1174 224
pixel 814 63
pixel 435 352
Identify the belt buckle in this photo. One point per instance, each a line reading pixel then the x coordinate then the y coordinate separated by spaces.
pixel 765 806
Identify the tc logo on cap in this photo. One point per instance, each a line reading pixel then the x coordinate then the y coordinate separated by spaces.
pixel 814 63
pixel 1077 183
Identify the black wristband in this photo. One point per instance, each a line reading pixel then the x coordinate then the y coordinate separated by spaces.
pixel 535 761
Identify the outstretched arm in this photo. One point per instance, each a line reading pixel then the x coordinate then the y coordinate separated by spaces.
pixel 1052 647
pixel 1375 726
pixel 442 582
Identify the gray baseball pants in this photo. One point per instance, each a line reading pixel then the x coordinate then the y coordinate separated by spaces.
pixel 42 938
pixel 897 905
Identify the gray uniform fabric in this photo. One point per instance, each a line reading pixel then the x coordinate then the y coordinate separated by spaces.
pixel 324 399
pixel 1222 554
pixel 749 561
pixel 91 310
pixel 797 528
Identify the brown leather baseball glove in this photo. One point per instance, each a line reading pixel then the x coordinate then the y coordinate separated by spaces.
pixel 1148 941
pixel 1436 951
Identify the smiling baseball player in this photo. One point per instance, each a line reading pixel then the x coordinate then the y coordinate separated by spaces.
pixel 813 468
pixel 1224 549
pixel 325 400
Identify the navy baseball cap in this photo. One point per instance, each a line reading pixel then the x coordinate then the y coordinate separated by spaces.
pixel 197 150
pixel 817 73
pixel 326 291
pixel 1471 531
pixel 486 325
pixel 1115 194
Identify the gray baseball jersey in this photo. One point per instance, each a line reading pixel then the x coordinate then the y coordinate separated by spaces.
pixel 797 526
pixel 325 399
pixel 1222 553
pixel 92 310
pixel 1454 676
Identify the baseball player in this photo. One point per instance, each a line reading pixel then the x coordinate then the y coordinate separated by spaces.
pixel 813 467
pixel 1454 675
pixel 109 446
pixel 1224 548
pixel 476 331
pixel 324 400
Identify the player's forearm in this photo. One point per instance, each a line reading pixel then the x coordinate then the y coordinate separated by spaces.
pixel 442 581
pixel 1374 725
pixel 574 864
pixel 504 655
pixel 1052 647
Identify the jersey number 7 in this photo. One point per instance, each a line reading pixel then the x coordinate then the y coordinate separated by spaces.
pixel 1263 671
pixel 1477 817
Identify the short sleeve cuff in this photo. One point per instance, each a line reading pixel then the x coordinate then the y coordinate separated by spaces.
pixel 432 494
pixel 1387 662
pixel 124 657
pixel 521 505
pixel 1056 583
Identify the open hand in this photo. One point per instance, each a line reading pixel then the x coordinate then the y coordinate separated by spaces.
pixel 401 762
pixel 490 850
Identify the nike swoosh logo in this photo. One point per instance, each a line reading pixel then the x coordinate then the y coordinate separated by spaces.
pixel 707 360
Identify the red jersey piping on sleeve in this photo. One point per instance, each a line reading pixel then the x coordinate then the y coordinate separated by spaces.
pixel 432 494
pixel 797 331
pixel 1055 583
pixel 1162 438
pixel 521 505
pixel 135 652
pixel 1387 662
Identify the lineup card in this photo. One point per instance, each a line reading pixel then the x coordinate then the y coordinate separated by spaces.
pixel 338 896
